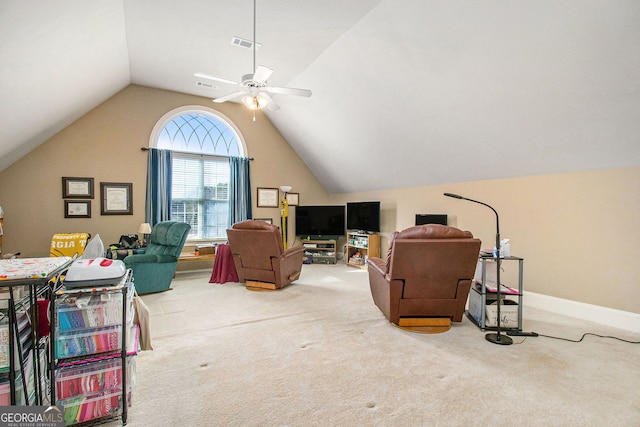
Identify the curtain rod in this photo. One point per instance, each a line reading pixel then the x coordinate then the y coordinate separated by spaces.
pixel 147 149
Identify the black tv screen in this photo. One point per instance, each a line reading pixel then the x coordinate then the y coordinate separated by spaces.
pixel 363 216
pixel 422 219
pixel 320 221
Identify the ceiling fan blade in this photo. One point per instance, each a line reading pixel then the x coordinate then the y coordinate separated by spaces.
pixel 288 91
pixel 231 96
pixel 218 79
pixel 262 74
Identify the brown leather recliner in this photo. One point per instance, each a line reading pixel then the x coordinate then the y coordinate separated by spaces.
pixel 259 255
pixel 427 274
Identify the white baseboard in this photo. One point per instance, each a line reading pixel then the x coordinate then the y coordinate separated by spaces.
pixel 606 316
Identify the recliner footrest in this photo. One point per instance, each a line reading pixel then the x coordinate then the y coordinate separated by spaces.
pixel 294 276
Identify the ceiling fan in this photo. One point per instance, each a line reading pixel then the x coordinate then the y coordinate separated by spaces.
pixel 255 92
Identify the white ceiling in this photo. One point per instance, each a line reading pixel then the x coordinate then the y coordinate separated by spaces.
pixel 405 92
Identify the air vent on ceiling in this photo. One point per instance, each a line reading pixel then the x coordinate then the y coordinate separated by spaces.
pixel 207 85
pixel 238 41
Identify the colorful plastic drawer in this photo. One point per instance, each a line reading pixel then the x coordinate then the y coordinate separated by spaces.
pixel 87 342
pixel 93 377
pixel 5 393
pixel 88 311
pixel 86 408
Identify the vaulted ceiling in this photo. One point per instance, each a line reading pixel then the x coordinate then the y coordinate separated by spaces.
pixel 405 92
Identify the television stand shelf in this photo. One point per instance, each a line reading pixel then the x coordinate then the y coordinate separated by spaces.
pixel 360 246
pixel 319 251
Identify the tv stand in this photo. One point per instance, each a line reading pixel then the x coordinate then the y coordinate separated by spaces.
pixel 319 251
pixel 360 246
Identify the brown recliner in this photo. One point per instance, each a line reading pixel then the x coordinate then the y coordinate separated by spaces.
pixel 427 274
pixel 259 256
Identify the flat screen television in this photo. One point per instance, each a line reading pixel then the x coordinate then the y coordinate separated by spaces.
pixel 422 219
pixel 320 221
pixel 363 216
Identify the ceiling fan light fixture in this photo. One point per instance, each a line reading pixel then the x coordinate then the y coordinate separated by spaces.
pixel 255 101
pixel 254 92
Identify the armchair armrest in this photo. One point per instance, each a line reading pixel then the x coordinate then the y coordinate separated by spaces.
pixel 292 251
pixel 378 265
pixel 288 265
pixel 149 258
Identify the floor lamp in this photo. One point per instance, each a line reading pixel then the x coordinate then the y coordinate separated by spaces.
pixel 496 338
pixel 144 230
pixel 284 214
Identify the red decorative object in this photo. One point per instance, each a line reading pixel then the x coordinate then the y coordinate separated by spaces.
pixel 224 270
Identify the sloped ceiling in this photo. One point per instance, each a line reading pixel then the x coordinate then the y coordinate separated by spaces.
pixel 59 59
pixel 405 92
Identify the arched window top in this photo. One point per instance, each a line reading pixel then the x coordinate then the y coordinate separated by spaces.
pixel 198 130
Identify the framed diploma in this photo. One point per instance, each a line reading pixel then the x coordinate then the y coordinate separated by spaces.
pixel 77 208
pixel 116 198
pixel 77 188
pixel 293 199
pixel 268 198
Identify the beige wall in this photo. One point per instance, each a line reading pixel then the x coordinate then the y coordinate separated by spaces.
pixel 579 233
pixel 105 144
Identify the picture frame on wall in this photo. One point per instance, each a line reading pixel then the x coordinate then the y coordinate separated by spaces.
pixel 116 198
pixel 77 188
pixel 268 197
pixel 267 220
pixel 293 199
pixel 77 208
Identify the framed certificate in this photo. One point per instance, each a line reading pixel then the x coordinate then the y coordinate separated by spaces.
pixel 293 199
pixel 77 188
pixel 116 198
pixel 77 208
pixel 267 220
pixel 268 198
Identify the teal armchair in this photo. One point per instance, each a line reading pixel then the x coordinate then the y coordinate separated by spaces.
pixel 153 269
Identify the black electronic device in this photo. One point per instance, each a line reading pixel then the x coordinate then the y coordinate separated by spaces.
pixel 363 216
pixel 320 222
pixel 422 219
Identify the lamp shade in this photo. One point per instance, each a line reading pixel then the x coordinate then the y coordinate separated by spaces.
pixel 285 188
pixel 145 228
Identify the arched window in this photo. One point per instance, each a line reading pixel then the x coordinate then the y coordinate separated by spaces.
pixel 201 141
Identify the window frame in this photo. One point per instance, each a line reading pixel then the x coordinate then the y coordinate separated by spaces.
pixel 204 111
pixel 201 200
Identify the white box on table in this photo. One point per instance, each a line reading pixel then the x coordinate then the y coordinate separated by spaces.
pixel 508 310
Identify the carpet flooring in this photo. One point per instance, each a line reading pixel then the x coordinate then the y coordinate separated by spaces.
pixel 320 353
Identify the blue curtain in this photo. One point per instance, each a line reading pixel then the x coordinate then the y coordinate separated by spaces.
pixel 240 191
pixel 158 204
